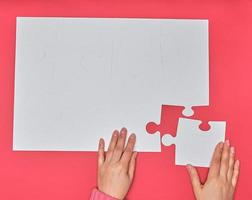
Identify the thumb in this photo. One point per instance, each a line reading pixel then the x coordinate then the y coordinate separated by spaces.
pixel 132 165
pixel 101 152
pixel 194 179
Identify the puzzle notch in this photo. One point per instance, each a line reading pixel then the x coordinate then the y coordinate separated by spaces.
pixel 168 121
pixel 168 140
pixel 188 111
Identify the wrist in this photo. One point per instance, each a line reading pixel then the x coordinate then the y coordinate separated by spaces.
pixel 100 195
pixel 111 193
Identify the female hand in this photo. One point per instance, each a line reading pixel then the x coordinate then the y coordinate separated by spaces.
pixel 116 166
pixel 222 177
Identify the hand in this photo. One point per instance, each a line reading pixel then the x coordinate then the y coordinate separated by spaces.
pixel 222 176
pixel 116 168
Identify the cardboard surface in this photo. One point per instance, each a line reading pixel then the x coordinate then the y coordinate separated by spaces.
pixel 78 78
pixel 193 145
pixel 71 175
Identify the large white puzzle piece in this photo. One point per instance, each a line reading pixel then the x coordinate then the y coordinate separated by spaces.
pixel 192 145
pixel 77 79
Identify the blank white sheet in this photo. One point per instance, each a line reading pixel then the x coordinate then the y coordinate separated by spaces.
pixel 78 79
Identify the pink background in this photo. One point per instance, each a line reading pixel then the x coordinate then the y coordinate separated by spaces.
pixel 71 175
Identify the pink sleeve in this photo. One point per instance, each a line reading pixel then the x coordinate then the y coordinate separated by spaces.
pixel 97 195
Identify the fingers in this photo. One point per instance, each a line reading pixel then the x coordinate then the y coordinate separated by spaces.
pixel 236 173
pixel 120 145
pixel 225 160
pixel 194 179
pixel 216 161
pixel 101 152
pixel 113 140
pixel 112 144
pixel 127 154
pixel 231 163
pixel 132 165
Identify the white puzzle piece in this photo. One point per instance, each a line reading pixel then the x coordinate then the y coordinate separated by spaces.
pixel 194 146
pixel 78 79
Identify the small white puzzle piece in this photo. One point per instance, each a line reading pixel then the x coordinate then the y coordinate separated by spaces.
pixel 194 146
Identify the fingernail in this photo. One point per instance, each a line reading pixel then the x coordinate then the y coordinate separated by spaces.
pixel 232 149
pixel 227 142
pixel 123 131
pixel 221 145
pixel 188 166
pixel 115 134
pixel 133 136
pixel 101 142
pixel 123 134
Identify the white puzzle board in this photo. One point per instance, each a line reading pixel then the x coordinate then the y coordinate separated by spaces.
pixel 78 79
